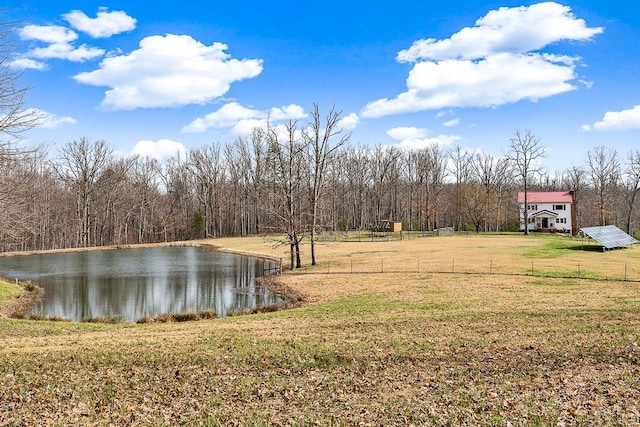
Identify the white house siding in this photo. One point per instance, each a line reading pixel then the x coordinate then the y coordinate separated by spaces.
pixel 548 211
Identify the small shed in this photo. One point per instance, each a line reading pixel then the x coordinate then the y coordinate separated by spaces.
pixel 390 226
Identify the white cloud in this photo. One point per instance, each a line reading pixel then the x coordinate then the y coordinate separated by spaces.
pixel 54 34
pixel 169 71
pixel 291 111
pixel 407 132
pixel 227 116
pixel 441 114
pixel 517 30
pixel 349 122
pixel 52 121
pixel 67 51
pixel 452 122
pixel 617 120
pixel 241 119
pixel 417 138
pixel 494 63
pixel 587 83
pixel 104 25
pixel 245 126
pixel 27 64
pixel 496 80
pixel 59 41
pixel 161 150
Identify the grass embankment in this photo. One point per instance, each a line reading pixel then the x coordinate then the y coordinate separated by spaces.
pixel 16 299
pixel 396 342
pixel 8 293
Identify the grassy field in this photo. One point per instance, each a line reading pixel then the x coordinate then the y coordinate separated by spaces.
pixel 455 330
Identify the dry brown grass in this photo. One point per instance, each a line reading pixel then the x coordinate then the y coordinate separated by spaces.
pixel 389 344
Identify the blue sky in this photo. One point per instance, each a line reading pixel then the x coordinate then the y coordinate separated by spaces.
pixel 153 79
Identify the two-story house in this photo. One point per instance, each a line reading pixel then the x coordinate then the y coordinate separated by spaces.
pixel 548 211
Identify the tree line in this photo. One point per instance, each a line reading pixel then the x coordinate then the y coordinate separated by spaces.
pixel 296 180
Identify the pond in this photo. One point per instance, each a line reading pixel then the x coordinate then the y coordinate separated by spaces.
pixel 139 282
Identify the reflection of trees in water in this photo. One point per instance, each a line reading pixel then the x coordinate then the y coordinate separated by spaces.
pixel 141 282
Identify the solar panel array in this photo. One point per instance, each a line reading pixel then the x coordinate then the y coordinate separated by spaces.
pixel 609 236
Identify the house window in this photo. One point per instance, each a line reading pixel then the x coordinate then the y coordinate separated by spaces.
pixel 561 220
pixel 532 220
pixel 558 207
pixel 532 207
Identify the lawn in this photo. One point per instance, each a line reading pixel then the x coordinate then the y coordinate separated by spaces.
pixel 452 330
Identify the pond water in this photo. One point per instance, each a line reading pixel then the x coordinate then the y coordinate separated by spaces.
pixel 133 283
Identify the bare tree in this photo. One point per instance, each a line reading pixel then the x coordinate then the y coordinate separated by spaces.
pixel 432 169
pixel 22 198
pixel 14 121
pixel 14 118
pixel 244 159
pixel 460 167
pixel 145 208
pixel 180 206
pixel 208 172
pixel 524 151
pixel 479 202
pixel 604 171
pixel 410 175
pixel 493 175
pixel 631 187
pixel 384 167
pixel 112 196
pixel 355 165
pixel 286 160
pixel 81 163
pixel 322 139
pixel 575 179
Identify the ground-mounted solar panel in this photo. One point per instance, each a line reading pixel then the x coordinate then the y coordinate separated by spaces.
pixel 609 236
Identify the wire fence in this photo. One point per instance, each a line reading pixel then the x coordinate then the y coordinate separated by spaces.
pixel 382 236
pixel 545 268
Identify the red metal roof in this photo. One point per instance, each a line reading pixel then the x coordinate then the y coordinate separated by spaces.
pixel 546 197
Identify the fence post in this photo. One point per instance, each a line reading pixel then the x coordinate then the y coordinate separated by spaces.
pixel 532 268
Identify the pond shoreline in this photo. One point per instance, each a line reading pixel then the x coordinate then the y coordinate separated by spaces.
pixel 204 243
pixel 22 303
pixel 182 243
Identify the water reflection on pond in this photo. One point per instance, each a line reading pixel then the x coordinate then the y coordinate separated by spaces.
pixel 133 283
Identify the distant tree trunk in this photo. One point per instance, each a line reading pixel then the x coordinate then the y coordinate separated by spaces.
pixel 631 187
pixel 320 140
pixel 524 150
pixel 604 169
pixel 82 162
pixel 461 161
pixel 574 180
pixel 286 161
